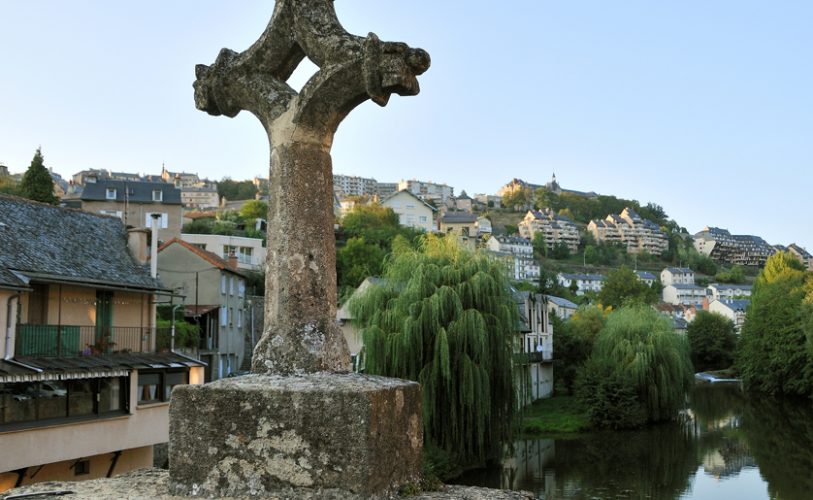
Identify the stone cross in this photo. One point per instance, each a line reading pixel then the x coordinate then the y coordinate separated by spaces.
pixel 301 334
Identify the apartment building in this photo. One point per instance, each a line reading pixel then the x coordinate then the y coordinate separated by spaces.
pixel 722 246
pixel 520 252
pixel 632 231
pixel 440 194
pixel 555 229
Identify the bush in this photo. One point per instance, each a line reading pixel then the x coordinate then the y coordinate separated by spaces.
pixel 186 334
pixel 637 352
pixel 609 396
pixel 712 341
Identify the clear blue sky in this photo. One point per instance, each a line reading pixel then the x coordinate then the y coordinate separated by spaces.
pixel 703 107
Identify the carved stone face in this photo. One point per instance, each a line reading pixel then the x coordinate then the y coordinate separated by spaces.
pixel 400 65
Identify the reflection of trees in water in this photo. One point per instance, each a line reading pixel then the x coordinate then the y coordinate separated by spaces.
pixel 715 405
pixel 780 435
pixel 656 462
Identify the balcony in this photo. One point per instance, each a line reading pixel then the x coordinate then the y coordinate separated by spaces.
pixel 73 341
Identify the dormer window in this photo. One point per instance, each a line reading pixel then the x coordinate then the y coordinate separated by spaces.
pixel 157 195
pixel 110 194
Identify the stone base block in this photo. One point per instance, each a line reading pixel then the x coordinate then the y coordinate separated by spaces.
pixel 260 434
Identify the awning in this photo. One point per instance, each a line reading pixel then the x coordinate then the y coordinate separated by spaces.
pixel 192 311
pixel 32 369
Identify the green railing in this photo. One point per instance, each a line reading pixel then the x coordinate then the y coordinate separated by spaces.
pixel 70 340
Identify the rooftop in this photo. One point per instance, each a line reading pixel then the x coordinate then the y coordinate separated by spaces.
pixel 132 192
pixel 36 246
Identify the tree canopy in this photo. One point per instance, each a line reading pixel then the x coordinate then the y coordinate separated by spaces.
pixel 622 287
pixel 37 184
pixel 639 370
pixel 773 357
pixel 254 209
pixel 712 341
pixel 446 318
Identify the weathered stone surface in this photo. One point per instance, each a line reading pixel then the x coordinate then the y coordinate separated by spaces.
pixel 152 484
pixel 261 434
pixel 300 334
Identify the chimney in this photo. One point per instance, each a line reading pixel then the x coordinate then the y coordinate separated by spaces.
pixel 232 260
pixel 705 303
pixel 137 243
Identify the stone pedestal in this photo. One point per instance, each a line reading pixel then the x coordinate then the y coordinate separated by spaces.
pixel 266 434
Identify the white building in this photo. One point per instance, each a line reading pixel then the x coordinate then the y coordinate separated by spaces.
pixel 536 343
pixel 250 252
pixel 677 276
pixel 734 310
pixel 350 185
pixel 483 226
pixel 584 282
pixel 683 294
pixel 716 291
pixel 440 194
pixel 521 251
pixel 412 211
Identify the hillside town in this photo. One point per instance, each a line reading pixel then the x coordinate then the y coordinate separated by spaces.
pixel 198 298
pixel 198 314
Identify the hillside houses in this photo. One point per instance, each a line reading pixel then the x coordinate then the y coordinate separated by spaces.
pixel 740 249
pixel 632 231
pixel 555 229
pixel 520 252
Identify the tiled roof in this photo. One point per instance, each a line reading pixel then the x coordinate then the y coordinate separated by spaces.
pixel 132 192
pixel 47 368
pixel 583 277
pixel 206 255
pixel 730 287
pixel 410 193
pixel 680 286
pixel 59 244
pixel 644 275
pixel 737 305
pixel 679 270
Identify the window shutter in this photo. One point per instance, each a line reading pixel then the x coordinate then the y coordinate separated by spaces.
pixel 224 316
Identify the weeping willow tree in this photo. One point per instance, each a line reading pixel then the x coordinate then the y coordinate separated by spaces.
pixel 445 317
pixel 639 367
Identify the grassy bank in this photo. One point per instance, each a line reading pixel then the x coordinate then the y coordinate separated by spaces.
pixel 557 415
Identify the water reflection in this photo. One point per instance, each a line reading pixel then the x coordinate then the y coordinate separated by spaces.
pixel 728 445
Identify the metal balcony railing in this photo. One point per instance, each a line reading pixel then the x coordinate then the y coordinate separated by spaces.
pixel 71 340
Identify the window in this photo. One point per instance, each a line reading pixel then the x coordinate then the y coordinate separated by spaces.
pixel 231 316
pixel 29 403
pixel 239 318
pixel 223 284
pixel 228 250
pixel 422 218
pixel 241 288
pixel 148 384
pixel 171 379
pixel 224 320
pixel 114 213
pixel 163 221
pixel 231 285
pixel 110 194
pixel 157 195
pixel 81 468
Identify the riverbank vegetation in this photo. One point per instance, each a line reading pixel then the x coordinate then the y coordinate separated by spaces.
pixel 556 415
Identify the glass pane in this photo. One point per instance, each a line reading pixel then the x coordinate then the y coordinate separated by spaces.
pixel 81 397
pixel 148 387
pixel 109 394
pixel 52 399
pixel 171 379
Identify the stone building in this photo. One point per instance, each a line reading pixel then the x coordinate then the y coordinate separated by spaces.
pixel 135 203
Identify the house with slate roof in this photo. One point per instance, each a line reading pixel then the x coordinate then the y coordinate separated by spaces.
pixel 519 252
pixel 741 249
pixel 135 202
pixel 84 384
pixel 735 310
pixel 678 293
pixel 562 308
pixel 463 225
pixel 717 291
pixel 677 276
pixel 214 291
pixel 584 282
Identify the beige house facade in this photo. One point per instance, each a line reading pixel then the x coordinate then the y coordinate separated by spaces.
pixel 412 211
pixel 85 382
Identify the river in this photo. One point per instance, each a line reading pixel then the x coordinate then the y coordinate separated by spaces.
pixel 727 446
